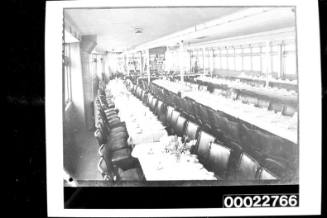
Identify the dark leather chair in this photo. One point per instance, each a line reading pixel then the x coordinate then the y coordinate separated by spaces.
pixel 159 108
pixel 153 103
pixel 219 158
pixel 120 158
pixel 263 103
pixel 264 174
pixel 252 100
pixel 174 116
pixel 289 110
pixel 113 121
pixel 169 111
pixel 142 94
pixel 276 107
pixel 191 130
pixel 149 100
pixel 202 147
pixel 101 139
pixel 247 168
pixel 180 125
pixel 133 174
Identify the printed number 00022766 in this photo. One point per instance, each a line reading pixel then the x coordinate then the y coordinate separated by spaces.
pixel 263 200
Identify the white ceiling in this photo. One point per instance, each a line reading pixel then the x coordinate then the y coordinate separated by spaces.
pixel 115 27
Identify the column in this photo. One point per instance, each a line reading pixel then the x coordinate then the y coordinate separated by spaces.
pixel 203 66
pixel 261 70
pixel 211 61
pixel 227 67
pixel 242 57
pixel 234 58
pixel 221 59
pixel 181 61
pixel 267 62
pixel 190 52
pixel 282 60
pixel 141 63
pixel 251 58
pixel 148 66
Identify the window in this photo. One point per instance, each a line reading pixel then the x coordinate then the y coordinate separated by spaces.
pixel 67 73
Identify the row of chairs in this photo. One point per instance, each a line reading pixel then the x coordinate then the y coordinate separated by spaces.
pixel 116 162
pixel 279 154
pixel 226 162
pixel 249 98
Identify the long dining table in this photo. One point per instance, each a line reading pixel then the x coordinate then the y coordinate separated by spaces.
pixel 160 164
pixel 151 143
pixel 275 123
pixel 271 93
pixel 142 125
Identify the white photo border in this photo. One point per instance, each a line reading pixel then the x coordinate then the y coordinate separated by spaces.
pixel 309 74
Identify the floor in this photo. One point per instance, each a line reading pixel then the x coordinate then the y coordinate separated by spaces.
pixel 81 156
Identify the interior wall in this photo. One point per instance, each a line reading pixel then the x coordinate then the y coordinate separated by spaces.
pixel 88 91
pixel 74 113
pixel 77 85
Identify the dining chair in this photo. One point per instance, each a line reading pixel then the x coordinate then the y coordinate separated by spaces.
pixel 161 110
pixel 263 103
pixel 243 98
pixel 133 174
pixel 149 100
pixel 276 107
pixel 105 170
pixel 247 168
pixel 174 116
pixel 191 130
pixel 101 139
pixel 145 97
pixel 142 94
pixel 169 111
pixel 252 100
pixel 203 146
pixel 120 159
pixel 289 110
pixel 264 174
pixel 219 157
pixel 159 107
pixel 180 125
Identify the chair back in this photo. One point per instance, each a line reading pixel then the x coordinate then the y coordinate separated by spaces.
pixel 180 125
pixel 174 116
pixel 169 111
pixel 219 157
pixel 264 174
pixel 191 130
pixel 203 146
pixel 247 167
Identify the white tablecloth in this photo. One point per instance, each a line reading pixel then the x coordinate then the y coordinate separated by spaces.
pixel 283 126
pixel 142 125
pixel 157 165
pixel 275 92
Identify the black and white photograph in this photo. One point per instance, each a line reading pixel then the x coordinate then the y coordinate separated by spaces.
pixel 179 95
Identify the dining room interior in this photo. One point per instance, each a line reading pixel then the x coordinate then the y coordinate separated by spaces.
pixel 185 95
